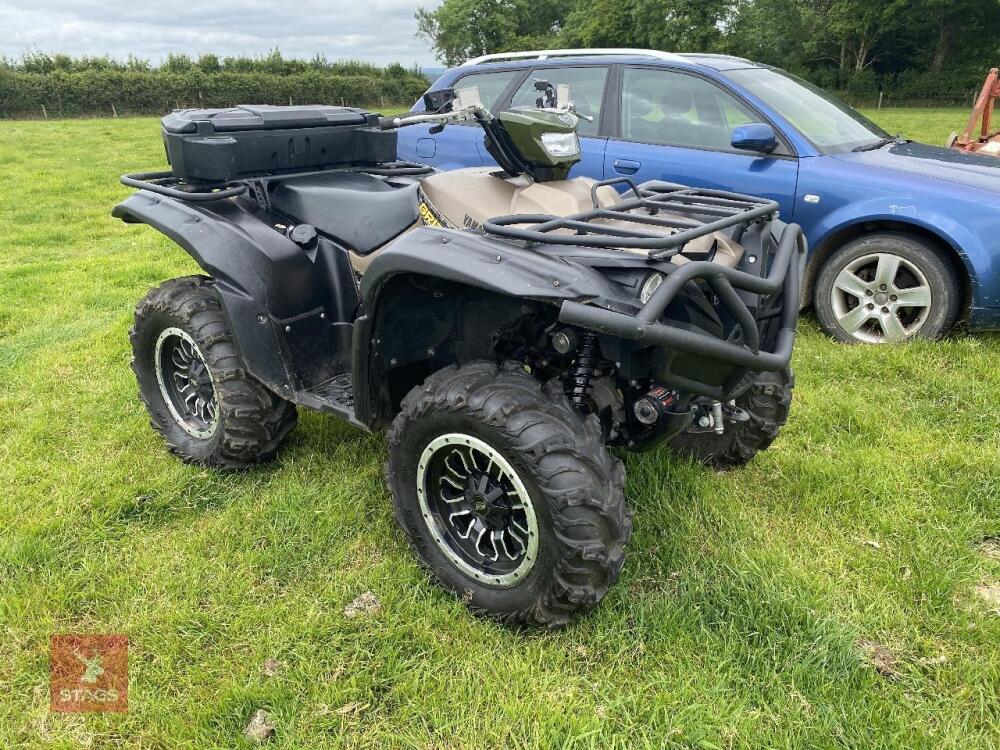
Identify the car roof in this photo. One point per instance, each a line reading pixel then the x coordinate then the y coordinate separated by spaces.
pixel 720 62
pixel 692 60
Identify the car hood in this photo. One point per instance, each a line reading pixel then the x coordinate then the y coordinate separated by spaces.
pixel 935 162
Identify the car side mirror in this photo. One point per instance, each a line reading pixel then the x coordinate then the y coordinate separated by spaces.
pixel 755 136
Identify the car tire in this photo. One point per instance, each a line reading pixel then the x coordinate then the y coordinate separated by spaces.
pixel 766 403
pixel 194 383
pixel 862 289
pixel 556 540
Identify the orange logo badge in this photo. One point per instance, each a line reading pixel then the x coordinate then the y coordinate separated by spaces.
pixel 88 673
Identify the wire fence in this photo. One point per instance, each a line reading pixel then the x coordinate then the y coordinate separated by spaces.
pixel 893 99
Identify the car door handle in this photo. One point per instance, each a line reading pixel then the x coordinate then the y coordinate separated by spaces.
pixel 626 166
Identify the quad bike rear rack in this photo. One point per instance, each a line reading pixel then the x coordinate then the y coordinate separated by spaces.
pixel 724 210
pixel 168 184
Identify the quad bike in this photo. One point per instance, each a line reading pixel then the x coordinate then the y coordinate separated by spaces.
pixel 506 325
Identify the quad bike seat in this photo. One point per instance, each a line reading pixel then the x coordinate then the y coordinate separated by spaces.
pixel 356 208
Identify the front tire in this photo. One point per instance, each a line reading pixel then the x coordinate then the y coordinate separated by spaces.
pixel 194 384
pixel 767 404
pixel 507 495
pixel 886 288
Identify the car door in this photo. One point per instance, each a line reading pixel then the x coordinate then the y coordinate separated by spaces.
pixel 457 145
pixel 677 127
pixel 588 87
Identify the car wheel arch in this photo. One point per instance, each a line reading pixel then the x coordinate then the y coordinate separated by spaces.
pixel 840 236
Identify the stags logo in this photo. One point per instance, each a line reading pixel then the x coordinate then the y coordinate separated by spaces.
pixel 88 673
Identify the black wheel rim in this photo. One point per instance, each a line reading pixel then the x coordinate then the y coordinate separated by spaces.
pixel 186 383
pixel 477 509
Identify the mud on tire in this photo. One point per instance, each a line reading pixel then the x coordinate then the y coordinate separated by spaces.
pixel 767 402
pixel 251 421
pixel 575 488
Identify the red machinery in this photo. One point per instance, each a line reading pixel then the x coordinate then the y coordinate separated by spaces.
pixel 986 141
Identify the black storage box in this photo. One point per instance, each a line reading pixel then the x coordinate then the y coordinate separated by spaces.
pixel 218 145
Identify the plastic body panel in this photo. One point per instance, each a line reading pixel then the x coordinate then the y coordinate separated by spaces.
pixel 276 294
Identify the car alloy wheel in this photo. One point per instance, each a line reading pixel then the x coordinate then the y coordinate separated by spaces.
pixel 477 509
pixel 881 298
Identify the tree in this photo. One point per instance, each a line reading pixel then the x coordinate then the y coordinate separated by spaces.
pixel 460 29
pixel 857 44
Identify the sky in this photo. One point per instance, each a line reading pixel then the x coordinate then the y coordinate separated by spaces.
pixel 378 31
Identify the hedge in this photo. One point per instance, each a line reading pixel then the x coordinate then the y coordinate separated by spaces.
pixel 104 92
pixel 957 87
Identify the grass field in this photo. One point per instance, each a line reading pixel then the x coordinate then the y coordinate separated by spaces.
pixel 835 593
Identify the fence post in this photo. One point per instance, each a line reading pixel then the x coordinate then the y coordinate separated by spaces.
pixel 114 111
pixel 44 113
pixel 880 99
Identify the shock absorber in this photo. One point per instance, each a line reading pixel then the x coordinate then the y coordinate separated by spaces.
pixel 584 368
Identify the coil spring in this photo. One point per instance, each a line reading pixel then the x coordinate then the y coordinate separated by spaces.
pixel 584 368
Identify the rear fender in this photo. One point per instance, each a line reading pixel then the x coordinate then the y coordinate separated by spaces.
pixel 265 280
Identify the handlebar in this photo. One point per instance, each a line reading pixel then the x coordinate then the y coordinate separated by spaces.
pixel 474 112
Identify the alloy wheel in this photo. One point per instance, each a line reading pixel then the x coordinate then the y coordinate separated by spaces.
pixel 478 510
pixel 881 298
pixel 186 383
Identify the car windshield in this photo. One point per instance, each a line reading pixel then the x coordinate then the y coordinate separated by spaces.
pixel 831 125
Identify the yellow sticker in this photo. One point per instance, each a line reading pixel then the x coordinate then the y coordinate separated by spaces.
pixel 428 216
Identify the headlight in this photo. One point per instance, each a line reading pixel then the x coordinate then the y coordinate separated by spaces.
pixel 559 145
pixel 649 286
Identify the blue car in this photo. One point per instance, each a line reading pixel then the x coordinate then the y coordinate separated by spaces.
pixel 904 237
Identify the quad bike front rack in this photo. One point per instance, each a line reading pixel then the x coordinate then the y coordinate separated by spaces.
pixel 726 283
pixel 685 206
pixel 695 213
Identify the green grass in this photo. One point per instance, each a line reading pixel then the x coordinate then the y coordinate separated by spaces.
pixel 930 125
pixel 735 623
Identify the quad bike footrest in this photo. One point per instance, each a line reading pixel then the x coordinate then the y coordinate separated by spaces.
pixel 337 391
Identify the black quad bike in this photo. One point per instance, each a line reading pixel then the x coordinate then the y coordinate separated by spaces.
pixel 506 325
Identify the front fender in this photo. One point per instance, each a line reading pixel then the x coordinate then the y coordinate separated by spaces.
pixel 469 260
pixel 486 263
pixel 262 276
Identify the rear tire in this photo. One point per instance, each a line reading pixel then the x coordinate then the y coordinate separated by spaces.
pixel 767 402
pixel 857 302
pixel 181 343
pixel 505 429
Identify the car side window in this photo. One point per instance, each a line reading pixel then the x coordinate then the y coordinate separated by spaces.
pixel 674 109
pixel 490 85
pixel 586 89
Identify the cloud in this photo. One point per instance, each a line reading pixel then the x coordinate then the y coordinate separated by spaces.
pixel 379 31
